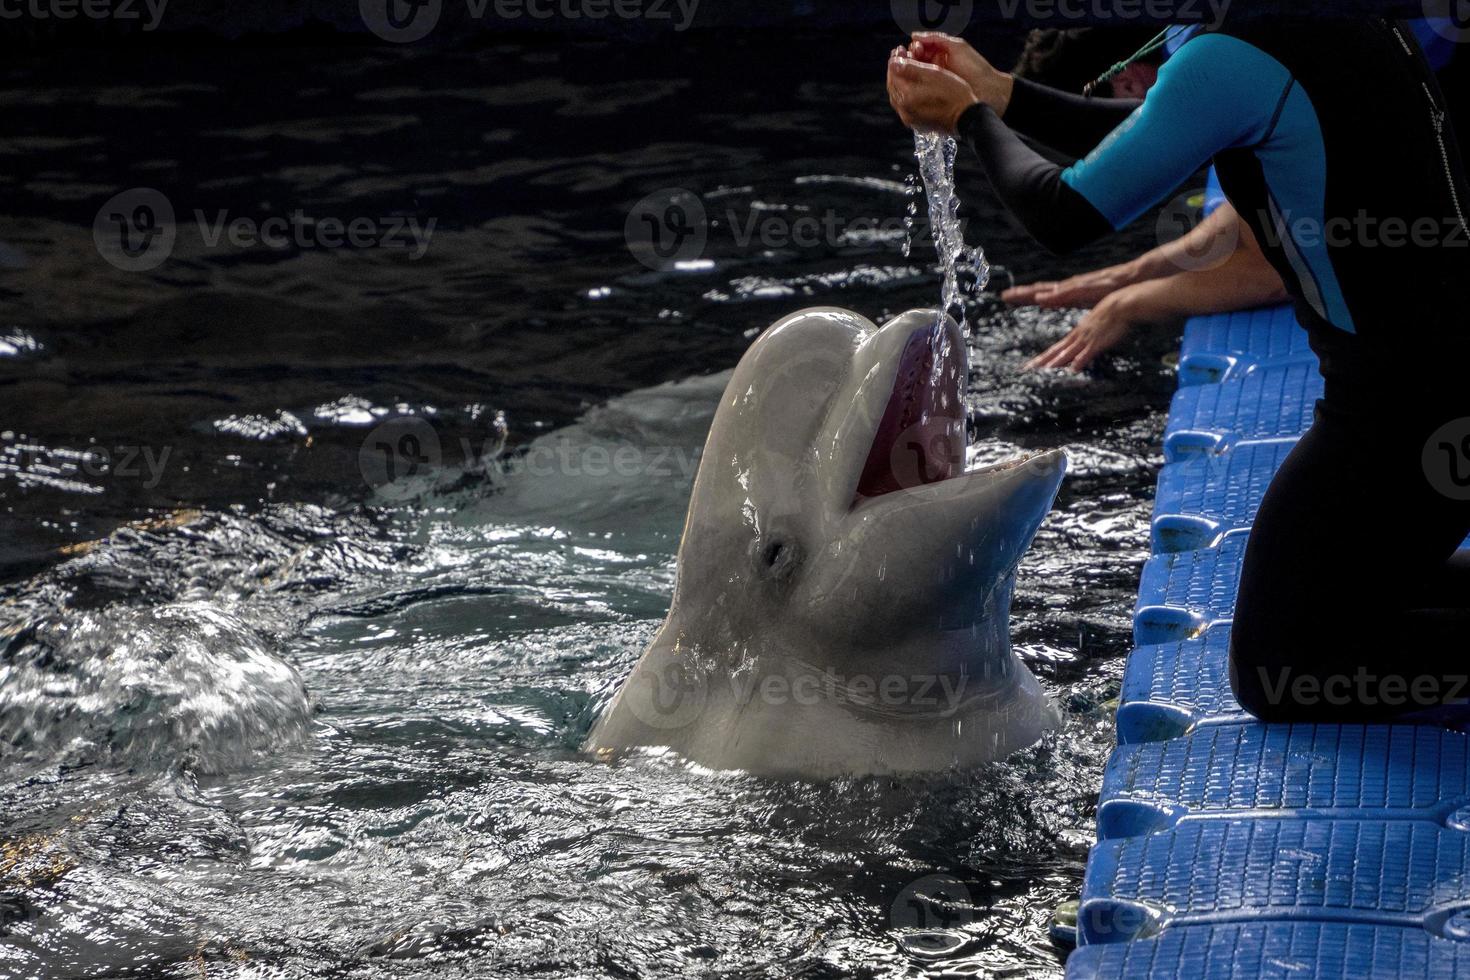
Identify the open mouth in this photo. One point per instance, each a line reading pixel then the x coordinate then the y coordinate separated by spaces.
pixel 920 439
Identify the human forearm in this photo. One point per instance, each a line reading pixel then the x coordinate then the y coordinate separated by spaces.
pixel 1066 122
pixel 1243 281
pixel 1031 186
pixel 1212 242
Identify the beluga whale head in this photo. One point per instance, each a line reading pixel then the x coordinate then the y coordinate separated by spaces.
pixel 843 591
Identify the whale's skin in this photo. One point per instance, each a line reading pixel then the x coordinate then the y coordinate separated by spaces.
pixel 815 632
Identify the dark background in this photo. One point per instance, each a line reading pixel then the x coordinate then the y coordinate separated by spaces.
pixel 526 142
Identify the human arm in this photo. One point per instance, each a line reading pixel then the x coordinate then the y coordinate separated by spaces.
pixel 1207 245
pixel 1070 123
pixel 1242 281
pixel 1217 92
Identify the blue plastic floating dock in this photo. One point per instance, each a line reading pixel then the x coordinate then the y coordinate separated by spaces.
pixel 1184 593
pixel 1271 401
pixel 1200 501
pixel 1277 950
pixel 1348 772
pixel 1218 346
pixel 1227 848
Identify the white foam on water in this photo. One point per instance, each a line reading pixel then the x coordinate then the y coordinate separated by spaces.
pixel 135 688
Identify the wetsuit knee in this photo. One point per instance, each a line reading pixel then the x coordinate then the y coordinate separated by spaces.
pixel 1263 695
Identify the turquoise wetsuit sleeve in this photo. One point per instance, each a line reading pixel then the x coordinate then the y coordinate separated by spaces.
pixel 1217 92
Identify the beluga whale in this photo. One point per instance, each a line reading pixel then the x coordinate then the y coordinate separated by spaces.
pixel 842 596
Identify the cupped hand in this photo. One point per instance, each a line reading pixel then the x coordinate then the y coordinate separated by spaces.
pixel 990 86
pixel 927 97
pixel 948 51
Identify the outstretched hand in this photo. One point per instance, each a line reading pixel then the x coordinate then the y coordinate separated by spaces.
pixel 1101 329
pixel 1080 292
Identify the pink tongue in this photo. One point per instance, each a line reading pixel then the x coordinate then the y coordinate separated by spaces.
pixel 920 441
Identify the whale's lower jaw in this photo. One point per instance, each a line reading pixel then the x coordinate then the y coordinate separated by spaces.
pixel 803 731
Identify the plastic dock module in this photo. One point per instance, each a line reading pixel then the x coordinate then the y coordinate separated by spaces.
pixel 1217 346
pixel 1187 592
pixel 1277 951
pixel 1378 872
pixel 1232 849
pixel 1201 500
pixel 1351 772
pixel 1173 688
pixel 1273 401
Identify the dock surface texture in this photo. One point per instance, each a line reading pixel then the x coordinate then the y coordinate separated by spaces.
pixel 1232 849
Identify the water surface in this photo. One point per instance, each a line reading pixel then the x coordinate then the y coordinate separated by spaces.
pixel 262 716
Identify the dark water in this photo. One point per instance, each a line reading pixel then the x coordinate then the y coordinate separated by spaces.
pixel 261 716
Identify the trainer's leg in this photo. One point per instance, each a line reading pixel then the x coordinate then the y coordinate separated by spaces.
pixel 1351 605
pixel 1299 563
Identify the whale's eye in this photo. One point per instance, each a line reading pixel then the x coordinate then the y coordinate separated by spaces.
pixel 776 557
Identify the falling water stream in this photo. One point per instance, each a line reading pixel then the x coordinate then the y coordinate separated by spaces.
pixel 936 156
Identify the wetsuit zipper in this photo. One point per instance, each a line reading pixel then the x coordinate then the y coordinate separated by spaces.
pixel 1436 118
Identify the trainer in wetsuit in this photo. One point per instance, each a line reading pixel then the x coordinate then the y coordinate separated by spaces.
pixel 1332 142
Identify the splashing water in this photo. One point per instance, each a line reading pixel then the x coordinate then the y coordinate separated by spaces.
pixel 138 687
pixel 936 156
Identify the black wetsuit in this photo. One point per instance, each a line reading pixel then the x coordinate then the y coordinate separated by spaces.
pixel 1332 142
